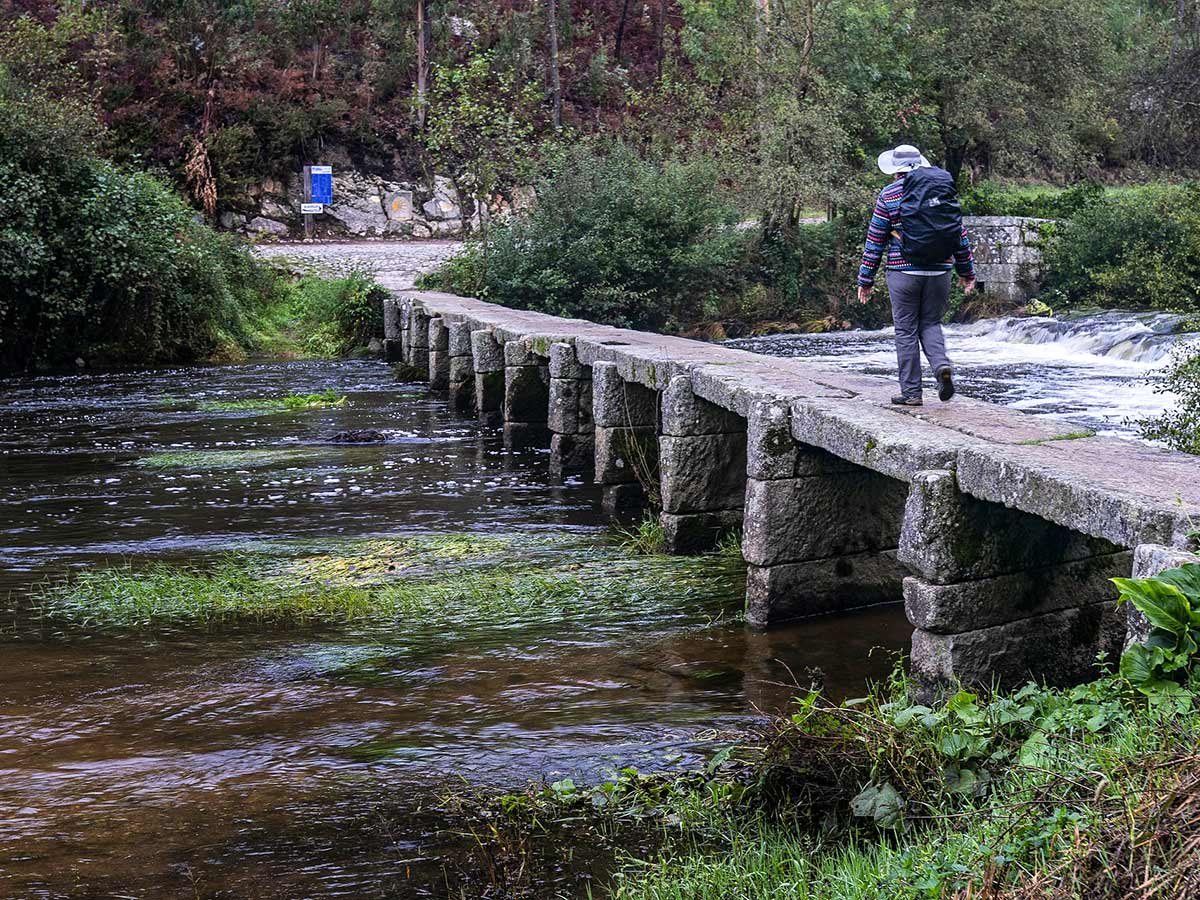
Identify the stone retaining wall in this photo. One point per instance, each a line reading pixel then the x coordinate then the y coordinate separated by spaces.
pixel 1007 257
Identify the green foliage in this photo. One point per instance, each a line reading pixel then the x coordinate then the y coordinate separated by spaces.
pixel 614 238
pixel 100 261
pixel 1179 426
pixel 990 198
pixel 807 273
pixel 481 124
pixel 322 316
pixel 432 580
pixel 1170 601
pixel 1136 249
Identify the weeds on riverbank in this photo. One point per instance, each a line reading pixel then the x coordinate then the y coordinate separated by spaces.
pixel 428 579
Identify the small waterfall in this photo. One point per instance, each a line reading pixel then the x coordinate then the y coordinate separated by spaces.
pixel 1146 338
pixel 1099 370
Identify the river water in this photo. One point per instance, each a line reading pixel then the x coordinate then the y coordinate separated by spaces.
pixel 260 759
pixel 1096 370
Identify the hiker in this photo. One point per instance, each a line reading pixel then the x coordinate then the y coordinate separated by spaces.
pixel 918 224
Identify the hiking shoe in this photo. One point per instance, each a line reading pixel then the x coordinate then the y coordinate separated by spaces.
pixel 901 400
pixel 945 384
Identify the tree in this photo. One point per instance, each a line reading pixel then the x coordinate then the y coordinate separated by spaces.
pixel 481 125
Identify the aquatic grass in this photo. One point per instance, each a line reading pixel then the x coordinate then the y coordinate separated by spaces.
pixel 229 459
pixel 433 581
pixel 290 403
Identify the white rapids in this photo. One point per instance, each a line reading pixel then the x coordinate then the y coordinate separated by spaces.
pixel 1098 370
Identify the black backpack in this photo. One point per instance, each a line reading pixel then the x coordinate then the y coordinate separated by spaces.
pixel 930 217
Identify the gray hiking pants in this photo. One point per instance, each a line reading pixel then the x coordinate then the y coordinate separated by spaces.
pixel 918 304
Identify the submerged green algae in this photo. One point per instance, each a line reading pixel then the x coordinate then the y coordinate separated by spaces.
pixel 434 580
pixel 230 459
pixel 288 403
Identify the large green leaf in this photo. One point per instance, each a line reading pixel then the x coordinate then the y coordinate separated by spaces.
pixel 1187 579
pixel 1140 664
pixel 882 803
pixel 1163 604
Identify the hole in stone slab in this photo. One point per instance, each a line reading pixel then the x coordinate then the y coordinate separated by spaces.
pixel 614 343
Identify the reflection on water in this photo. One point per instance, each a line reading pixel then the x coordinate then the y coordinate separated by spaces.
pixel 309 761
pixel 1095 370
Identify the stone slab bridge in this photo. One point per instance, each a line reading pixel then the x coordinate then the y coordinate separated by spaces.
pixel 998 530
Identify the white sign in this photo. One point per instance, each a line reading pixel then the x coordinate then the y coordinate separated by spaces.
pixel 322 170
pixel 309 209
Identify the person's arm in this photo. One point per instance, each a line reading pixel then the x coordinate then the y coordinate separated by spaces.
pixel 964 262
pixel 875 247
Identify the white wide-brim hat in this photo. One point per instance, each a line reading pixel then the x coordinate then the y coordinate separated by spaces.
pixel 904 158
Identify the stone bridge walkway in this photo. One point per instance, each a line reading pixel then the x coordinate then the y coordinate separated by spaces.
pixel 999 530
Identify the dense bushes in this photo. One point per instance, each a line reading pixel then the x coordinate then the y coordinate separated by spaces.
pixel 101 262
pixel 1135 249
pixel 615 238
pixel 988 198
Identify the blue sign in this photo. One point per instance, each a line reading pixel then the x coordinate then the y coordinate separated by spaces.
pixel 322 184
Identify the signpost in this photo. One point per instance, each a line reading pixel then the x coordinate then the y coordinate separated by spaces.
pixel 318 193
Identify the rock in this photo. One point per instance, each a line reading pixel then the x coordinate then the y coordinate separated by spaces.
pixel 231 221
pixel 420 229
pixel 356 204
pixel 440 209
pixel 375 345
pixel 274 209
pixel 361 436
pixel 399 206
pixel 524 198
pixel 448 228
pixel 261 225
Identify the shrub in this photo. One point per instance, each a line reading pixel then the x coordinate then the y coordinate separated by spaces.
pixel 1179 427
pixel 614 238
pixel 1137 249
pixel 98 261
pixel 989 198
pixel 809 273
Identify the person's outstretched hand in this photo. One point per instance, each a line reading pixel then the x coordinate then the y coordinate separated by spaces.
pixel 968 285
pixel 864 294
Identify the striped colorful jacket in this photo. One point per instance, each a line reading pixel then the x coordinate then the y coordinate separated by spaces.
pixel 880 239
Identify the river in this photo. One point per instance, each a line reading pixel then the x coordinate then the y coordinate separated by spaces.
pixel 267 758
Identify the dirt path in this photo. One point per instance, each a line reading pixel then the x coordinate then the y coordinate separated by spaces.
pixel 395 264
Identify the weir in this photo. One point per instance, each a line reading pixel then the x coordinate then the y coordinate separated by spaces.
pixel 998 530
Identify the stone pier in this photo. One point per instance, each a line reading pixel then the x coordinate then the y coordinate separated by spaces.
pixel 702 465
pixel 418 339
pixel 572 428
pixel 488 365
pixel 626 439
pixel 999 592
pixel 820 532
pixel 393 324
pixel 461 374
pixel 1150 560
pixel 439 355
pixel 999 531
pixel 526 395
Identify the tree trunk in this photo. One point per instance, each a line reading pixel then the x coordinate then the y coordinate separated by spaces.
pixel 621 28
pixel 555 84
pixel 422 63
pixel 660 26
